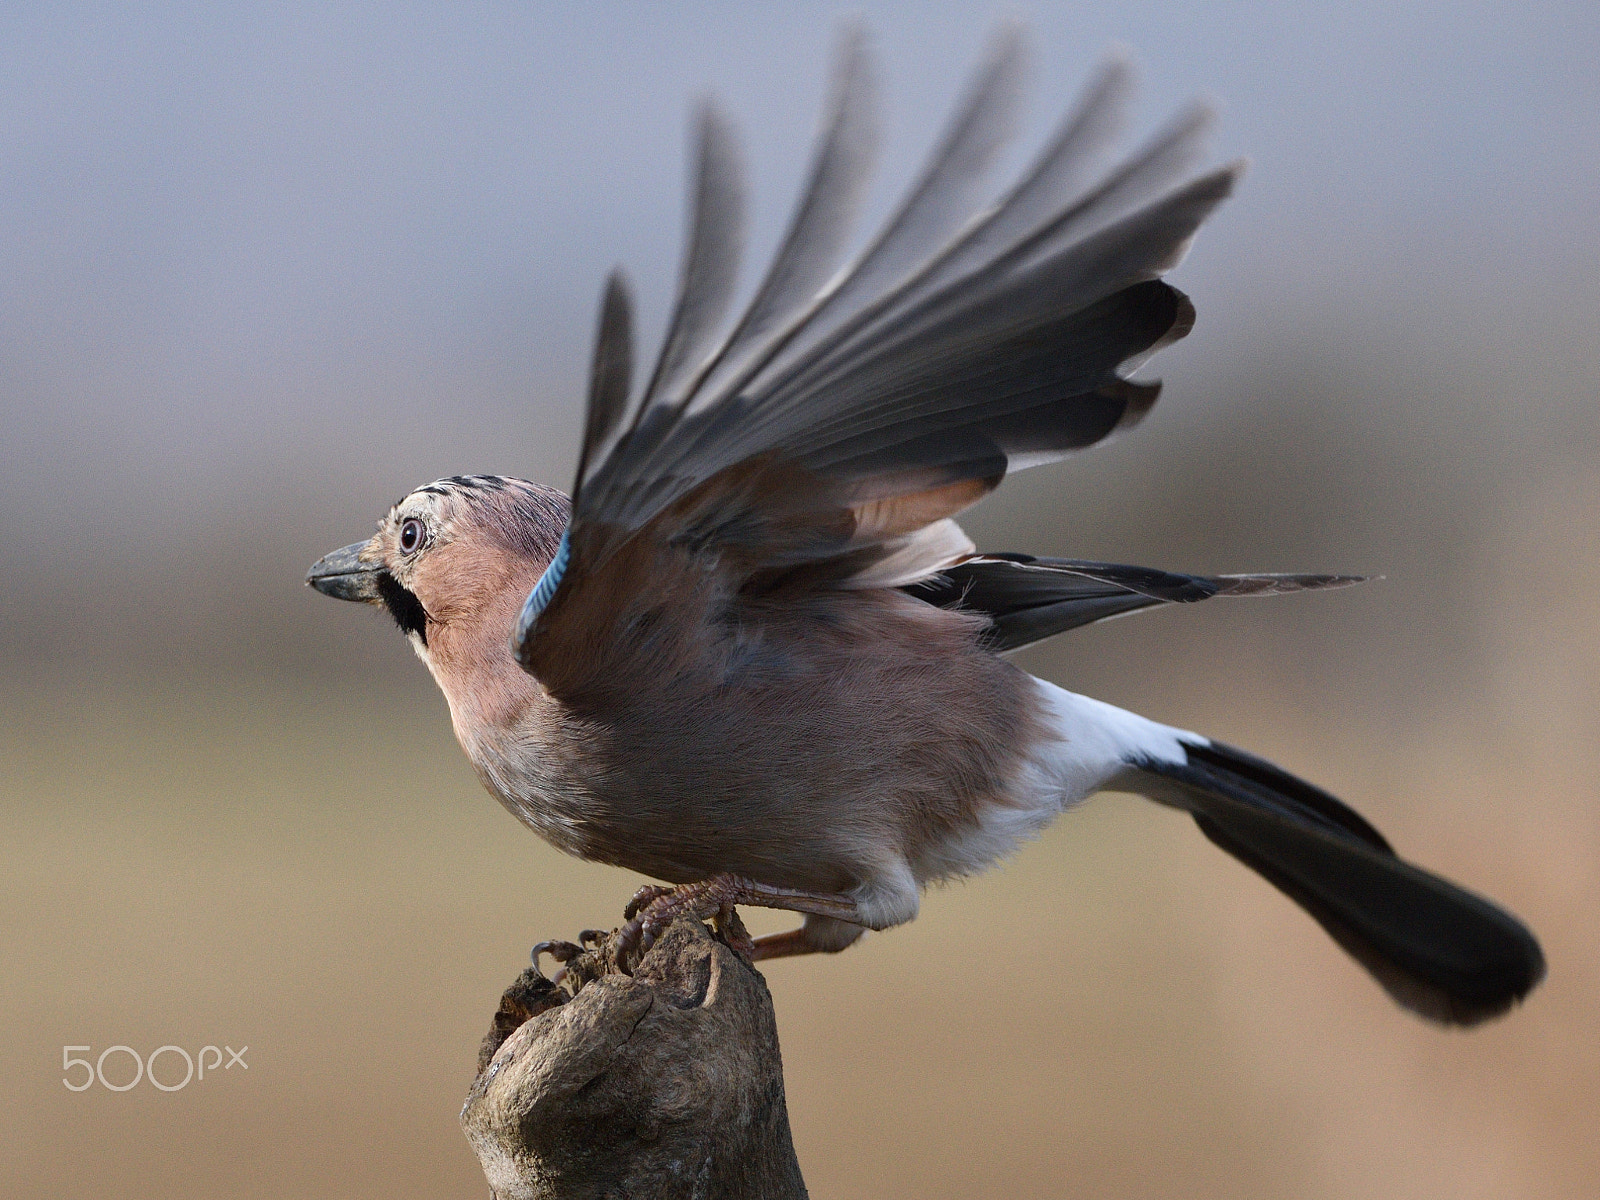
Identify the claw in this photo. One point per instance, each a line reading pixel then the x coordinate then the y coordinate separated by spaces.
pixel 562 952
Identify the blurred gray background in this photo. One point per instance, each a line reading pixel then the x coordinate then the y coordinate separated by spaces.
pixel 261 274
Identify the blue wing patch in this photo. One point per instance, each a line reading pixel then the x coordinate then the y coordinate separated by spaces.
pixel 543 591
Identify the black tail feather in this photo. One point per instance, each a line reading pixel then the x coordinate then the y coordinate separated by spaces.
pixel 1437 949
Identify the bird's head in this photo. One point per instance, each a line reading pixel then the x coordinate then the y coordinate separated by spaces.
pixel 452 562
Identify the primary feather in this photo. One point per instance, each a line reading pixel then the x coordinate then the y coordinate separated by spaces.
pixel 1027 599
pixel 848 411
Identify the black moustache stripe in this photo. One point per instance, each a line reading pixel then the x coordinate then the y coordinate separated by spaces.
pixel 403 606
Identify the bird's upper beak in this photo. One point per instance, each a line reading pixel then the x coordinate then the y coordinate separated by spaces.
pixel 344 576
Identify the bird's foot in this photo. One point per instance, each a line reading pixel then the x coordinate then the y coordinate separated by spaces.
pixel 655 908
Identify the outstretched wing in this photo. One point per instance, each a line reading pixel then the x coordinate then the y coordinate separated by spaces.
pixel 827 436
pixel 1028 599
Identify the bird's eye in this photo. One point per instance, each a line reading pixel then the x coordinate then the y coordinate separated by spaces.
pixel 411 536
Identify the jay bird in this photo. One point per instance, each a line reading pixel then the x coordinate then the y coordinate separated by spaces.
pixel 754 656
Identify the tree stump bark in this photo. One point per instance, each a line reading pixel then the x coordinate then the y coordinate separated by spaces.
pixel 667 1083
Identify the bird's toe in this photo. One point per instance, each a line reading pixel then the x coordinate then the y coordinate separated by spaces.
pixel 644 898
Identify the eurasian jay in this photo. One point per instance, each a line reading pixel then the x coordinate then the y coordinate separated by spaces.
pixel 754 656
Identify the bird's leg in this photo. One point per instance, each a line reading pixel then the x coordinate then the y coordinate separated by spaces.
pixel 819 935
pixel 709 897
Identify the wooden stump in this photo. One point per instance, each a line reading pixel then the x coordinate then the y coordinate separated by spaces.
pixel 667 1083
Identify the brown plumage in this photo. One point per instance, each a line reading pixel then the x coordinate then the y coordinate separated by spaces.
pixel 758 659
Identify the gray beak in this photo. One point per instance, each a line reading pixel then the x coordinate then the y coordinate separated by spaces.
pixel 345 577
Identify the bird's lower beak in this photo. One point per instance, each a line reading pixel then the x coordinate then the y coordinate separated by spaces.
pixel 344 576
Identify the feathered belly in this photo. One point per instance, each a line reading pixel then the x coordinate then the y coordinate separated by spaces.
pixel 895 755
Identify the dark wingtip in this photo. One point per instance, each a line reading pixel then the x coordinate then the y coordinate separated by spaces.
pixel 1282 585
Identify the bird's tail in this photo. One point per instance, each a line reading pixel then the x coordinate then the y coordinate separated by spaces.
pixel 1439 950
